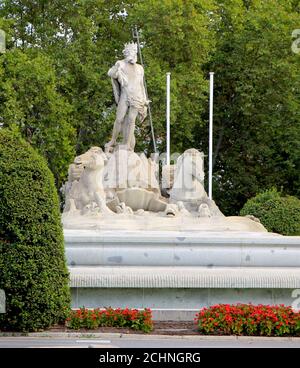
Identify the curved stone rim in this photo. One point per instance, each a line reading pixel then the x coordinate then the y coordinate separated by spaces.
pixel 183 277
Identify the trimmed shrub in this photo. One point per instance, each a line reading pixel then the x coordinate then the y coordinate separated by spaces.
pixel 249 320
pixel 277 213
pixel 91 319
pixel 33 270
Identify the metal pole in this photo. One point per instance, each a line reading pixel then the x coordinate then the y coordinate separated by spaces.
pixel 168 117
pixel 136 35
pixel 210 154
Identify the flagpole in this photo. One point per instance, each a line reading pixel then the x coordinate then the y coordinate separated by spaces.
pixel 168 117
pixel 210 154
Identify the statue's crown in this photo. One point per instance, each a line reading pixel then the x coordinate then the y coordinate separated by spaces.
pixel 129 48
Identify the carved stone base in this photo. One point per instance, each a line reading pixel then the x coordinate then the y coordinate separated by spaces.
pixel 143 220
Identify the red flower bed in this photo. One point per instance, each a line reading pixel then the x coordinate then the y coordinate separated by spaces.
pixel 248 319
pixel 94 318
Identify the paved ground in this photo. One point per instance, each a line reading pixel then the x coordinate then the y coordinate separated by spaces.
pixel 138 341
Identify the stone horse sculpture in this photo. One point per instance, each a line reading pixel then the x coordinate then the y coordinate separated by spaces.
pixel 188 177
pixel 188 189
pixel 84 189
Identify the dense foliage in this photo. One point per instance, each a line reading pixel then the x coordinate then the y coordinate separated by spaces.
pixel 257 97
pixel 109 317
pixel 33 272
pixel 278 214
pixel 54 86
pixel 249 320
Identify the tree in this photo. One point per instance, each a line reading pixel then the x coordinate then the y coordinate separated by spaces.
pixel 257 111
pixel 30 102
pixel 80 38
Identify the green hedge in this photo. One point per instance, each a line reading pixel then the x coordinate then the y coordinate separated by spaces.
pixel 33 270
pixel 277 213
